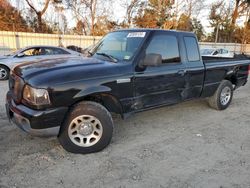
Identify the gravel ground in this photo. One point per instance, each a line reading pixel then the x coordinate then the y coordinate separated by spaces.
pixel 186 145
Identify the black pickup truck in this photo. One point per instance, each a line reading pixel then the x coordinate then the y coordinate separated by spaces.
pixel 126 72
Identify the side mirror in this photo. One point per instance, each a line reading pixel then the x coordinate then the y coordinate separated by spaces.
pixel 20 55
pixel 152 60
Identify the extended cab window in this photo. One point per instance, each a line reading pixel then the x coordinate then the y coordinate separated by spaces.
pixel 192 49
pixel 166 46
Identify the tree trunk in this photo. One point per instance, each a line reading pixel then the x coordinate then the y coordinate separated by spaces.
pixel 93 15
pixel 39 22
pixel 39 14
pixel 92 25
pixel 235 13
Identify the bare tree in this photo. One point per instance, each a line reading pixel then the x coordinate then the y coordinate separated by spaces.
pixel 131 9
pixel 191 8
pixel 241 7
pixel 220 20
pixel 79 13
pixel 39 13
pixel 87 11
pixel 91 5
pixel 194 7
pixel 245 30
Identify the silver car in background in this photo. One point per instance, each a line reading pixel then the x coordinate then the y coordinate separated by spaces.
pixel 31 53
pixel 216 52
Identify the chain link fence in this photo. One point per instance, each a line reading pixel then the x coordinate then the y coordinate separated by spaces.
pixel 10 41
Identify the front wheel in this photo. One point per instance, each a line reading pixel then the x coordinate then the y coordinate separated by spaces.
pixel 87 129
pixel 222 97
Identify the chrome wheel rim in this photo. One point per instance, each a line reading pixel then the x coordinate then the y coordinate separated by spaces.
pixel 225 95
pixel 3 73
pixel 85 130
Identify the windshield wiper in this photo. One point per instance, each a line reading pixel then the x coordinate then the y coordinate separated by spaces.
pixel 107 55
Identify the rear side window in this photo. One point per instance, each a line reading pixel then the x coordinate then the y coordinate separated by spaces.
pixel 166 46
pixel 53 51
pixel 57 51
pixel 192 49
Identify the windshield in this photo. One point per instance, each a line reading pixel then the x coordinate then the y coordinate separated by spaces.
pixel 12 53
pixel 120 45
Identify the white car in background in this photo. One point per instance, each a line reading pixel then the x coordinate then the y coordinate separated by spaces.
pixel 216 52
pixel 32 53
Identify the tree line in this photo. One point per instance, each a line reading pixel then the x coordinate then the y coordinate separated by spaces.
pixel 96 17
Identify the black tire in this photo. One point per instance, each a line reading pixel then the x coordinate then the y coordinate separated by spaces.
pixel 4 69
pixel 92 109
pixel 215 100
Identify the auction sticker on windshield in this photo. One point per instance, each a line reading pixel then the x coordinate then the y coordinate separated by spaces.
pixel 136 34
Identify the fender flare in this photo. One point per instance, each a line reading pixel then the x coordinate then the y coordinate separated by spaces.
pixel 101 92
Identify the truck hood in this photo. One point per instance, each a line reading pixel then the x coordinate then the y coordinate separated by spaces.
pixel 61 70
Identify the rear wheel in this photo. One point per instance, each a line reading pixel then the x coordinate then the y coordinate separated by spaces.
pixel 87 129
pixel 4 72
pixel 223 96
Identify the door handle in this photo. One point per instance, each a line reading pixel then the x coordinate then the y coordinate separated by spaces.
pixel 182 72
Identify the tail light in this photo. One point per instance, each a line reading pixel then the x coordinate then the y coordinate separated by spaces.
pixel 248 69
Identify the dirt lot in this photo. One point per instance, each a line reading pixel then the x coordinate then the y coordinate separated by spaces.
pixel 186 145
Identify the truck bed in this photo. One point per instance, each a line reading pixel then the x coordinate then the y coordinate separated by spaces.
pixel 217 68
pixel 207 59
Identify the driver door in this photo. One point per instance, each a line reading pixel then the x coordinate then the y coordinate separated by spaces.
pixel 163 84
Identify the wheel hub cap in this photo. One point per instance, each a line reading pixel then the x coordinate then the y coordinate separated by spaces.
pixel 85 130
pixel 3 73
pixel 225 95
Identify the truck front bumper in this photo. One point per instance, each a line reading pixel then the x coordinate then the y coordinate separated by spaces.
pixel 35 122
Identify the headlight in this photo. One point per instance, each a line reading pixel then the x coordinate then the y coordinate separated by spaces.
pixel 36 96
